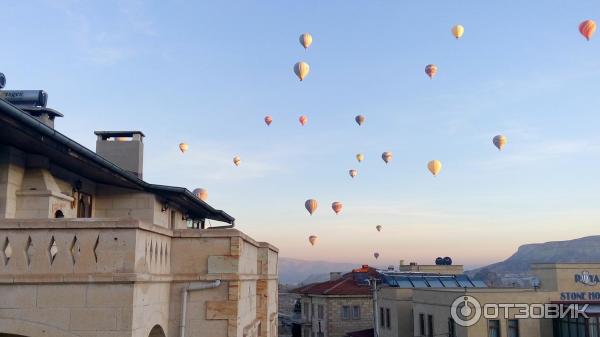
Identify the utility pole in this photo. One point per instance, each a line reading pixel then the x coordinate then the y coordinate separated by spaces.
pixel 373 282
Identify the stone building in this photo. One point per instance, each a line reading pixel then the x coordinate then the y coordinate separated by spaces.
pixel 88 248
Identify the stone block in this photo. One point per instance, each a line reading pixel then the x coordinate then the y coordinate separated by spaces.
pixel 68 295
pixel 89 319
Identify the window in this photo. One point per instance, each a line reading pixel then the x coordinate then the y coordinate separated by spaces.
pixel 430 326
pixel 356 312
pixel 513 328
pixel 421 324
pixel 346 312
pixel 59 214
pixel 387 318
pixel 451 328
pixel 84 205
pixel 493 328
pixel 321 311
pixel 381 317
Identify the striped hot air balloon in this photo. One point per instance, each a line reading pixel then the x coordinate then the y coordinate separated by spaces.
pixel 306 40
pixel 386 156
pixel 301 69
pixel 499 141
pixel 311 205
pixel 587 28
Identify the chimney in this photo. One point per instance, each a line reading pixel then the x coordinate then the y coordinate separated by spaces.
pixel 335 276
pixel 124 148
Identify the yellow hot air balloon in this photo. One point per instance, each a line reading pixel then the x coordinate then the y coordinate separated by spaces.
pixel 353 173
pixel 301 70
pixel 313 239
pixel 305 40
pixel 434 166
pixel 183 147
pixel 458 31
pixel 237 160
pixel 378 227
pixel 311 205
pixel 360 157
pixel 587 29
pixel 386 156
pixel 337 207
pixel 201 193
pixel 499 141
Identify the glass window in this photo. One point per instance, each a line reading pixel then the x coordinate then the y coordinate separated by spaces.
pixel 419 282
pixel 493 328
pixel 387 318
pixel 449 282
pixel 345 312
pixel 513 328
pixel 463 281
pixel 451 328
pixel 321 311
pixel 403 282
pixel 430 326
pixel 594 327
pixel 434 282
pixel 381 317
pixel 421 324
pixel 356 312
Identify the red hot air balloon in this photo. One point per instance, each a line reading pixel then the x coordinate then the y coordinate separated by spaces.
pixel 587 28
pixel 268 120
pixel 311 205
pixel 303 120
pixel 431 70
pixel 337 207
pixel 376 255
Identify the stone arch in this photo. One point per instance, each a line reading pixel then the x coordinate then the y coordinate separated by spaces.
pixel 20 328
pixel 157 331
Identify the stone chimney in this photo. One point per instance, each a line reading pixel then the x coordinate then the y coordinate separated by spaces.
pixel 124 148
pixel 335 276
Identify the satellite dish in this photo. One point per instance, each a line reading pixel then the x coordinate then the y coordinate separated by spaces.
pixel 2 81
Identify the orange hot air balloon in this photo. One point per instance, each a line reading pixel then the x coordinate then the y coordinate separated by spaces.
pixel 313 239
pixel 376 255
pixel 353 173
pixel 378 227
pixel 303 120
pixel 311 205
pixel 360 119
pixel 337 207
pixel 587 28
pixel 268 120
pixel 431 70
pixel 183 147
pixel 201 194
pixel 237 160
pixel 386 156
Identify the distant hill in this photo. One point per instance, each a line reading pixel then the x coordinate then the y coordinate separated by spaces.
pixel 586 249
pixel 296 271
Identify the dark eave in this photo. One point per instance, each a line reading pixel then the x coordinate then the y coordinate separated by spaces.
pixel 22 131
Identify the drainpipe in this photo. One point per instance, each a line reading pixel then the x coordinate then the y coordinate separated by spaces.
pixel 373 282
pixel 184 295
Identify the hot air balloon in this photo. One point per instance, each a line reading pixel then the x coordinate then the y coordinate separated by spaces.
pixel 360 157
pixel 303 120
pixel 313 239
pixel 337 207
pixel 499 141
pixel 378 227
pixel 305 40
pixel 458 31
pixel 376 255
pixel 201 194
pixel 301 70
pixel 353 173
pixel 311 205
pixel 237 160
pixel 183 147
pixel 587 28
pixel 431 70
pixel 434 166
pixel 268 120
pixel 360 119
pixel 386 156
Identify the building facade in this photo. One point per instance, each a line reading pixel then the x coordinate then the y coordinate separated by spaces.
pixel 88 248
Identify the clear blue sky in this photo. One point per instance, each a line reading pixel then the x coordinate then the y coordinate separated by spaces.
pixel 207 72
